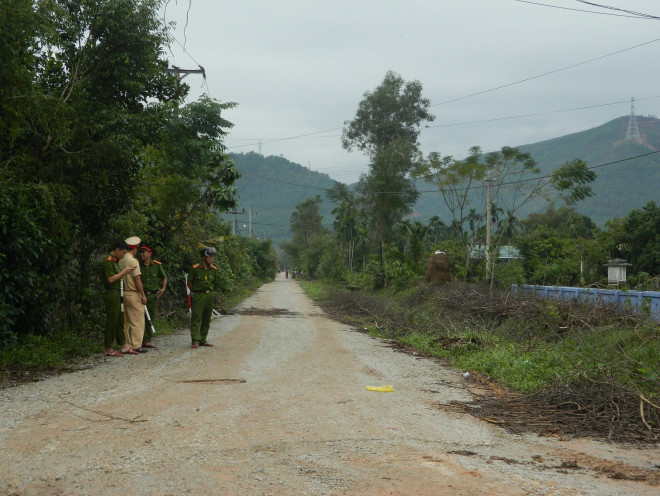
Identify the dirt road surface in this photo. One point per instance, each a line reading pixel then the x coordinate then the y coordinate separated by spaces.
pixel 280 407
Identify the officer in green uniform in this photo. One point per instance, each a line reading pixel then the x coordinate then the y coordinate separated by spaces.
pixel 111 280
pixel 203 281
pixel 154 282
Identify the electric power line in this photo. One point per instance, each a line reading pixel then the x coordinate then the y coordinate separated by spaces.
pixel 545 73
pixel 286 139
pixel 539 113
pixel 587 11
pixel 640 15
pixel 494 119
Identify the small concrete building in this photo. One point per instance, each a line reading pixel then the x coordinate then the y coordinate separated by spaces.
pixel 616 271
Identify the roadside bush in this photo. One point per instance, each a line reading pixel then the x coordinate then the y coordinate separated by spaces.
pixel 310 258
pixel 331 266
pixel 508 273
pixel 397 275
pixel 362 279
pixel 32 276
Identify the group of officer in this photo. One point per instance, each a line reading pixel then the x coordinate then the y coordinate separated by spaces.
pixel 134 285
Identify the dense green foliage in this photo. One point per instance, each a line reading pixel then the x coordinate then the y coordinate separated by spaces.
pixel 97 144
pixel 386 128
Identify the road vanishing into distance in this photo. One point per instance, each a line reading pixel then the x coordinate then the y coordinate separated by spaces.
pixel 280 406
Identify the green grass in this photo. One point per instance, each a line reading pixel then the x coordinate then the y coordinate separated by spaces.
pixel 316 290
pixel 525 348
pixel 48 352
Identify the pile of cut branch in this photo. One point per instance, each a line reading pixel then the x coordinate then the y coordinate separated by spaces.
pixel 582 410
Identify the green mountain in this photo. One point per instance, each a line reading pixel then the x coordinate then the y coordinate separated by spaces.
pixel 624 183
pixel 273 186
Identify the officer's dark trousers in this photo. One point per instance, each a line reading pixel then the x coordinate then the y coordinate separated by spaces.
pixel 114 322
pixel 202 309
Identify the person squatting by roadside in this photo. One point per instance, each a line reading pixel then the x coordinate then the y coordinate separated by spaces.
pixel 111 275
pixel 134 300
pixel 203 282
pixel 154 282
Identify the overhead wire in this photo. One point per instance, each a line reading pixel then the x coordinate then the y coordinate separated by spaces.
pixel 544 74
pixel 538 178
pixel 274 140
pixel 641 15
pixel 631 14
pixel 257 141
pixel 185 42
pixel 539 113
pixel 579 10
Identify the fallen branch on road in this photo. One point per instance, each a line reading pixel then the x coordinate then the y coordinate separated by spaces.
pixel 109 417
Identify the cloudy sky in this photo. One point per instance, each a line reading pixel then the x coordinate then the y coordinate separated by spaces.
pixel 298 69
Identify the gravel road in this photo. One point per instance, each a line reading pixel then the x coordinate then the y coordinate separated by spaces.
pixel 280 407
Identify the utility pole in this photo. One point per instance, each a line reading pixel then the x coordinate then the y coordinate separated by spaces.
pixel 233 225
pixel 250 229
pixel 181 73
pixel 489 181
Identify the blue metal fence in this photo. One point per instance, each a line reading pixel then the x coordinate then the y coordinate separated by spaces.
pixel 646 302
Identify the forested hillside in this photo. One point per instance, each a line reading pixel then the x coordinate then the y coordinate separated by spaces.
pixel 271 187
pixel 619 188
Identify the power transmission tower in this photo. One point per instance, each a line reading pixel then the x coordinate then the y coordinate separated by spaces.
pixel 633 131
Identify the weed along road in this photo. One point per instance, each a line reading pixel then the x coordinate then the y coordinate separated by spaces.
pixel 280 406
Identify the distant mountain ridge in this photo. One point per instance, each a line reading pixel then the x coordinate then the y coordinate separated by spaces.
pixel 623 183
pixel 273 186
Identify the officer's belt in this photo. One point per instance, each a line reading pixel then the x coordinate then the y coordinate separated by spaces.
pixel 207 291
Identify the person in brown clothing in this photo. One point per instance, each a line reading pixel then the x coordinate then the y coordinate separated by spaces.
pixel 134 300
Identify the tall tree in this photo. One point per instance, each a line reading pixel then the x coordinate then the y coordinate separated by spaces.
pixel 348 223
pixel 307 228
pixel 641 239
pixel 185 170
pixel 306 220
pixel 386 128
pixel 75 119
pixel 100 62
pixel 506 180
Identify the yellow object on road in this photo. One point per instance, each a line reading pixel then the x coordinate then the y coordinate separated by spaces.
pixel 381 389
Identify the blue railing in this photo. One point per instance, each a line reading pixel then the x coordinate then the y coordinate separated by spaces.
pixel 645 302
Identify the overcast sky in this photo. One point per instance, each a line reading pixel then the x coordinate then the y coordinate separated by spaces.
pixel 300 67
